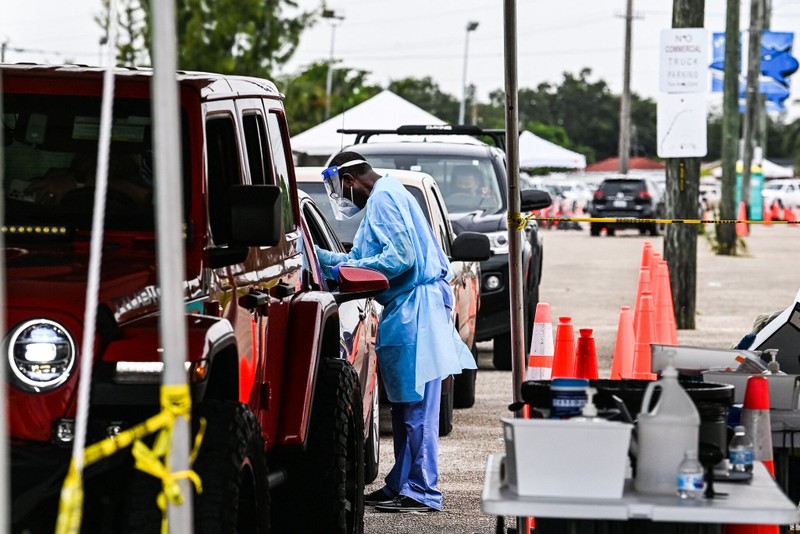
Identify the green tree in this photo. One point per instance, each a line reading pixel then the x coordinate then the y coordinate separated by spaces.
pixel 305 94
pixel 247 37
pixel 425 93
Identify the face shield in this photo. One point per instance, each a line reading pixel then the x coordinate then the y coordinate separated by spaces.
pixel 343 208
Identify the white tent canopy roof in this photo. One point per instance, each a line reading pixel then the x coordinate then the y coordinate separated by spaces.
pixel 384 111
pixel 537 152
pixel 769 169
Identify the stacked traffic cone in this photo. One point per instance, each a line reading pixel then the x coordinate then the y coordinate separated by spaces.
pixel 622 366
pixel 564 358
pixel 741 226
pixel 775 211
pixel 767 216
pixel 644 286
pixel 540 358
pixel 666 328
pixel 645 330
pixel 755 419
pixel 655 258
pixel 789 216
pixel 586 356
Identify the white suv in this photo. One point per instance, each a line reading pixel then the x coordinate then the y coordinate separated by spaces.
pixel 787 190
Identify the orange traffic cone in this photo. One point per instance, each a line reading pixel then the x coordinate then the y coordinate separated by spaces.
pixel 741 227
pixel 666 330
pixel 789 216
pixel 644 336
pixel 644 285
pixel 622 366
pixel 586 356
pixel 775 212
pixel 564 358
pixel 540 358
pixel 755 419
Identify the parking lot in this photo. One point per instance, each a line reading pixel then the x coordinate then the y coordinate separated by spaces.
pixel 589 278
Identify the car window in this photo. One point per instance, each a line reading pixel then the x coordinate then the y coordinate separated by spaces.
pixel 255 139
pixel 281 167
pixel 450 174
pixel 446 230
pixel 612 187
pixel 222 171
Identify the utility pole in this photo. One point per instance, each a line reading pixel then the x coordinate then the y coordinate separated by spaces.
pixel 625 107
pixel 683 187
pixel 3 47
pixel 726 233
pixel 471 27
pixel 752 99
pixel 334 18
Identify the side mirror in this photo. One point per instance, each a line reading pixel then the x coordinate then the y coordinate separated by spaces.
pixel 534 199
pixel 359 283
pixel 255 215
pixel 470 246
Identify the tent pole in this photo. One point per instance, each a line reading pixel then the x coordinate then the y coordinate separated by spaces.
pixel 514 233
pixel 170 254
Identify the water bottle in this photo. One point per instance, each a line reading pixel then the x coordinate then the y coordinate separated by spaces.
pixel 740 451
pixel 691 483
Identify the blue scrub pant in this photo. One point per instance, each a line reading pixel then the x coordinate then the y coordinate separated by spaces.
pixel 415 429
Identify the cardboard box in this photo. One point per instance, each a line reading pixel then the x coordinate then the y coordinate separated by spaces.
pixel 565 458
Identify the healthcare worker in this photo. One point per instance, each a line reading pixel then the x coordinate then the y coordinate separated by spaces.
pixel 417 344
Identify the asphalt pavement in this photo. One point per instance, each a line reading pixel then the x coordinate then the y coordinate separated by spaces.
pixel 588 279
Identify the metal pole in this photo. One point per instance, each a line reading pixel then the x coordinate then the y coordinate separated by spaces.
pixel 514 234
pixel 169 218
pixel 5 516
pixel 751 95
pixel 329 80
pixel 625 107
pixel 462 107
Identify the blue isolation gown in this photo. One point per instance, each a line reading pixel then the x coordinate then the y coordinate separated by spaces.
pixel 417 341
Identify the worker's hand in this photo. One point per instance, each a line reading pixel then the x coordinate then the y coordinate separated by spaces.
pixel 335 271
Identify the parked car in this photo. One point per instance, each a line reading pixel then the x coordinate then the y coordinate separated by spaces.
pixel 626 198
pixel 358 323
pixel 460 392
pixel 787 190
pixel 442 155
pixel 286 410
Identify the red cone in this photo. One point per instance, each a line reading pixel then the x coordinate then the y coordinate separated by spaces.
pixel 564 359
pixel 642 364
pixel 622 366
pixel 741 227
pixel 586 356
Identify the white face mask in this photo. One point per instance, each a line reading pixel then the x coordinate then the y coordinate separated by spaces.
pixel 343 208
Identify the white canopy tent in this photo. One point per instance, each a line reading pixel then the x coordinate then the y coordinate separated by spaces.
pixel 770 170
pixel 384 111
pixel 537 152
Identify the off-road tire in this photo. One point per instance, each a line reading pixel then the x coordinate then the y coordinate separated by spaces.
pixel 324 491
pixel 464 385
pixel 232 467
pixel 594 229
pixel 446 406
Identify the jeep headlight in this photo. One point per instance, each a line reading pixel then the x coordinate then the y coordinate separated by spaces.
pixel 498 242
pixel 41 354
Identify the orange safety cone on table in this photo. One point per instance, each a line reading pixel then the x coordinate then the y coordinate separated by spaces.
pixel 756 421
pixel 741 226
pixel 622 365
pixel 666 329
pixel 564 357
pixel 642 365
pixel 540 358
pixel 586 355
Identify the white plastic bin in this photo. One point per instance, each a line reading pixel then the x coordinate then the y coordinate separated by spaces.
pixel 565 458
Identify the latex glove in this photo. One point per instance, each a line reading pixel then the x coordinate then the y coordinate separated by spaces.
pixel 335 270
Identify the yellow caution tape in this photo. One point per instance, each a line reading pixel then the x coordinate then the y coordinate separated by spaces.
pixel 633 220
pixel 176 401
pixel 516 221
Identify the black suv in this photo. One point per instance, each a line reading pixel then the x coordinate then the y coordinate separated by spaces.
pixel 446 153
pixel 623 198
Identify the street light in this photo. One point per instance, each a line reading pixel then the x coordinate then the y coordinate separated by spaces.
pixel 471 26
pixel 334 18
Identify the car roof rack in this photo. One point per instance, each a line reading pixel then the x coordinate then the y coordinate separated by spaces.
pixel 363 134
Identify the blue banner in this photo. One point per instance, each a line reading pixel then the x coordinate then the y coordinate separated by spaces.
pixel 777 64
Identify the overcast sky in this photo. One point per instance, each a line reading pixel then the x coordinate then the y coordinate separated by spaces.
pixel 398 38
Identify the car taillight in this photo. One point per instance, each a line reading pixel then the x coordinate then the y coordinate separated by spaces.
pixel 644 195
pixel 598 194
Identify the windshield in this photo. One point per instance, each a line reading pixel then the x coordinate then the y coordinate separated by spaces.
pixel 346 230
pixel 467 184
pixel 51 158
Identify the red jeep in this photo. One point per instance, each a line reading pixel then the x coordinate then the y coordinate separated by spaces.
pixel 268 362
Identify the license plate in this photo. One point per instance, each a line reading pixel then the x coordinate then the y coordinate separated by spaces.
pixel 620 204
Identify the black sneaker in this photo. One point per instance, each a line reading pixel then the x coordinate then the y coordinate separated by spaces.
pixel 379 496
pixel 404 505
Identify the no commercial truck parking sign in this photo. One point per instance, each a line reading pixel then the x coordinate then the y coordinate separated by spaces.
pixel 684 60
